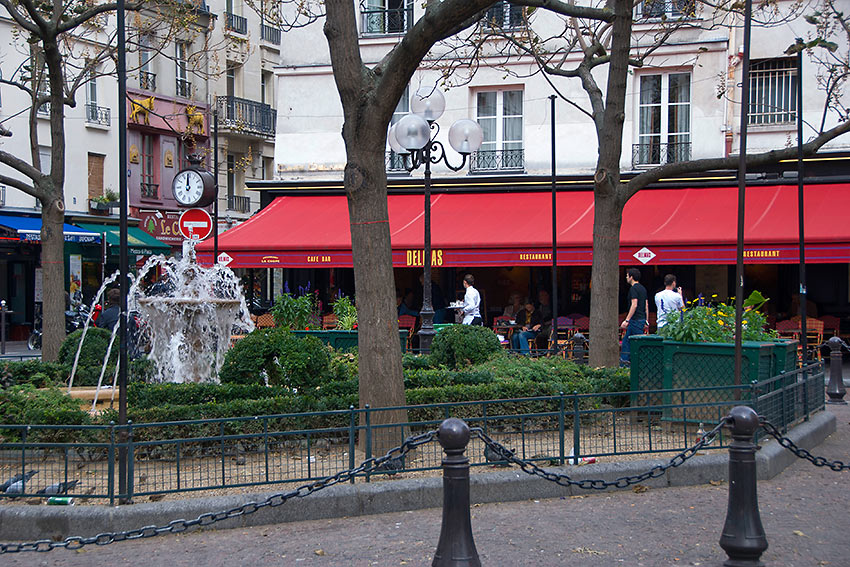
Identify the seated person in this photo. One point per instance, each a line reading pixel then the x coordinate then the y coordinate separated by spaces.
pixel 528 323
pixel 405 306
pixel 515 306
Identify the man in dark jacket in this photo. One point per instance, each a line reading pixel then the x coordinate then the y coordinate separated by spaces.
pixel 109 317
pixel 528 323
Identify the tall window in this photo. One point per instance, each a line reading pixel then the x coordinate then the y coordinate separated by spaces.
pixel 664 111
pixel 147 78
pixel 386 16
pixel 396 162
pixel 503 15
pixel 91 98
pixel 230 79
pixel 773 91
pixel 666 8
pixel 267 88
pixel 499 113
pixel 150 190
pixel 181 64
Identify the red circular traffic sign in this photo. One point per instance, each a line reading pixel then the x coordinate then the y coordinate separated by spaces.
pixel 195 224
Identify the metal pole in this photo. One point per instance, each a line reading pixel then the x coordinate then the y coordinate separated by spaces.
pixel 426 330
pixel 835 389
pixel 3 327
pixel 123 267
pixel 743 537
pixel 456 547
pixel 742 187
pixel 554 237
pixel 215 170
pixel 800 210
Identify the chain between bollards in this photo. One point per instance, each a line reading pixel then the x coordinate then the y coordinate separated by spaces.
pixel 456 547
pixel 743 537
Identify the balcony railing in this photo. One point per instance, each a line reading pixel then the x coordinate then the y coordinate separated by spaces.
pixel 246 116
pixel 394 20
pixel 238 203
pixel 150 190
pixel 645 155
pixel 44 109
pixel 395 162
pixel 97 114
pixel 235 23
pixel 270 34
pixel 497 160
pixel 184 88
pixel 147 81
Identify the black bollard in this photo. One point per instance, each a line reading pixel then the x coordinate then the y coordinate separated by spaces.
pixel 835 389
pixel 743 537
pixel 579 346
pixel 456 547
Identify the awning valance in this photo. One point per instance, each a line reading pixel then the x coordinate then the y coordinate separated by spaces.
pixel 139 242
pixel 660 226
pixel 29 230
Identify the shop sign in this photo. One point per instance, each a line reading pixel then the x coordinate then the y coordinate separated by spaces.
pixel 164 225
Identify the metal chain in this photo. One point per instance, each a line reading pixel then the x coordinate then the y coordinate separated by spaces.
pixel 598 484
pixel 273 501
pixel 799 451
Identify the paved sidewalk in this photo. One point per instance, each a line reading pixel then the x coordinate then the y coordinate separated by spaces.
pixel 804 512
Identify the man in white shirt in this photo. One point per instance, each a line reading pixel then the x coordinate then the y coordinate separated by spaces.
pixel 471 302
pixel 668 300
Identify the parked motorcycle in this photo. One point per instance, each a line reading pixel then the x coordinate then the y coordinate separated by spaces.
pixel 74 319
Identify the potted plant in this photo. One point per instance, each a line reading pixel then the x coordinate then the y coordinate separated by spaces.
pixel 697 349
pixel 104 202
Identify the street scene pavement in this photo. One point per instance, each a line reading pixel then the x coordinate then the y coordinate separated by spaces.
pixel 803 510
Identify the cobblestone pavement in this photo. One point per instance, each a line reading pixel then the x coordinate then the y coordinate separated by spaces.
pixel 804 512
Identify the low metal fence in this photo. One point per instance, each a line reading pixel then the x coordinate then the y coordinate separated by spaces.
pixel 191 456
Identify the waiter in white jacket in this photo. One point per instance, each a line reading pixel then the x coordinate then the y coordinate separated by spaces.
pixel 471 302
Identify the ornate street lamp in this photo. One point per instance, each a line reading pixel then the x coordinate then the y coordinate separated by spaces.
pixel 415 136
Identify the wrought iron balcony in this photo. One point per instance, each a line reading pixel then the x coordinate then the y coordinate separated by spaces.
pixel 647 155
pixel 393 20
pixel 235 23
pixel 497 160
pixel 246 116
pixel 147 81
pixel 238 203
pixel 149 190
pixel 184 88
pixel 270 34
pixel 395 162
pixel 97 114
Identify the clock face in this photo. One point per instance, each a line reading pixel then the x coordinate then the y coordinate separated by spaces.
pixel 188 187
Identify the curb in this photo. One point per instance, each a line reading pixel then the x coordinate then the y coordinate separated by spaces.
pixel 19 523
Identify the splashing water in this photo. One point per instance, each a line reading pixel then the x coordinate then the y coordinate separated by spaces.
pixel 187 316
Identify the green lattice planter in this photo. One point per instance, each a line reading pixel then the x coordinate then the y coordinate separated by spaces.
pixel 784 356
pixel 345 340
pixel 696 365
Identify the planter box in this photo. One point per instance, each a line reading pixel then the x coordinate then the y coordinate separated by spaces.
pixel 784 356
pixel 344 340
pixel 657 363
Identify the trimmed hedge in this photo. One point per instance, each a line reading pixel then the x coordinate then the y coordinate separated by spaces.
pixel 94 348
pixel 464 345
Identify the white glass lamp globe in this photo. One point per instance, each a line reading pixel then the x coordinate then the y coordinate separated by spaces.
pixel 412 132
pixel 428 102
pixel 466 136
pixel 393 141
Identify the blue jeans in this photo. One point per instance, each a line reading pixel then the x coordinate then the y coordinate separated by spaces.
pixel 635 327
pixel 519 340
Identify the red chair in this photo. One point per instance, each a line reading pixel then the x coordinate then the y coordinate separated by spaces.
pixel 831 324
pixel 407 322
pixel 788 328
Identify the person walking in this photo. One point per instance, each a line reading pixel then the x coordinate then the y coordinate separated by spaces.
pixel 529 321
pixel 638 308
pixel 668 300
pixel 471 302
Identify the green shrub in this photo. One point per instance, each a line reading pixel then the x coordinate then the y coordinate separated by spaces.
pixel 251 357
pixel 412 361
pixel 26 405
pixel 346 313
pixel 39 374
pixel 462 345
pixel 294 313
pixel 94 348
pixel 304 362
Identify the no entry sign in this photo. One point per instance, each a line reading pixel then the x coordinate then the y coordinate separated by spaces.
pixel 195 224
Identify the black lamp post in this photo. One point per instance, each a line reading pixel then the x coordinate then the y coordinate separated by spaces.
pixel 415 135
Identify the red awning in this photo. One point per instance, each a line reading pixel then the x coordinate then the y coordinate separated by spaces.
pixel 660 226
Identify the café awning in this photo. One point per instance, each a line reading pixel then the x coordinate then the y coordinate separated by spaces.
pixel 28 229
pixel 139 242
pixel 660 226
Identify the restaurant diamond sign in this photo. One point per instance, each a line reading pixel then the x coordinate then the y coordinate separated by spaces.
pixel 644 255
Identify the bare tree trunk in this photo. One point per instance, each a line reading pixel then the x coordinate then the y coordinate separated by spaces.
pixel 53 277
pixel 604 280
